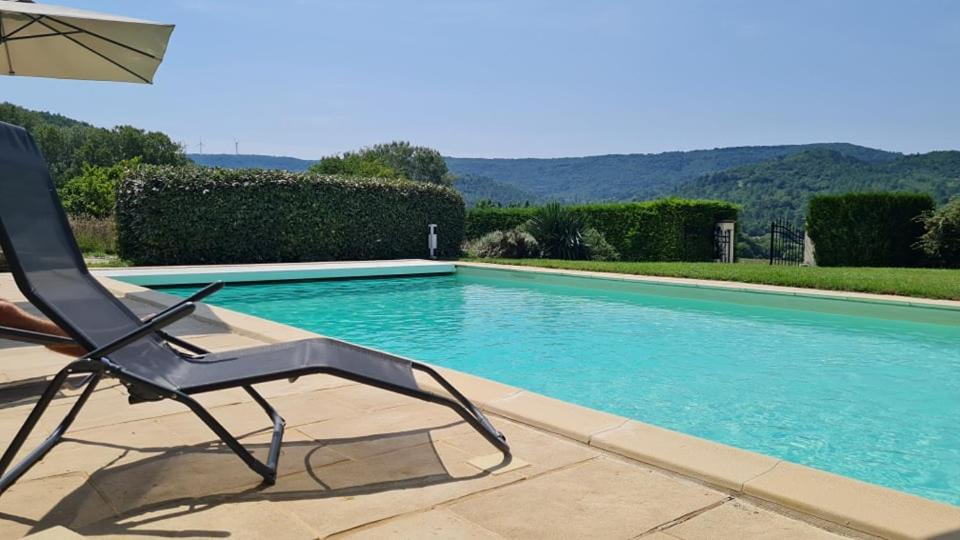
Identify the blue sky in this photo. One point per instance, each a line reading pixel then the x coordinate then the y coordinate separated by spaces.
pixel 534 78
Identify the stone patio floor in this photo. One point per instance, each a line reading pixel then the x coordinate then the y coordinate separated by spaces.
pixel 357 462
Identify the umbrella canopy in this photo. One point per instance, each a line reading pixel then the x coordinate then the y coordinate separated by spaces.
pixel 40 40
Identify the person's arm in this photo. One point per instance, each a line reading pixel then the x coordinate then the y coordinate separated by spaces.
pixel 14 317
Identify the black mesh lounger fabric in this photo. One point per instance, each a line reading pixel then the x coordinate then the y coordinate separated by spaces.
pixel 49 269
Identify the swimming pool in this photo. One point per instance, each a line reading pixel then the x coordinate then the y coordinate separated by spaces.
pixel 869 391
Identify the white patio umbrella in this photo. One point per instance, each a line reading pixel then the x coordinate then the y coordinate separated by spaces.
pixel 40 40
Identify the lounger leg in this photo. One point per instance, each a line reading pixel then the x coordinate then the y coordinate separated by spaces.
pixel 466 409
pixel 11 476
pixel 267 470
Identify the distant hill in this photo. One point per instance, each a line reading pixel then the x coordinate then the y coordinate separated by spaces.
pixel 782 187
pixel 30 119
pixel 252 161
pixel 479 188
pixel 633 176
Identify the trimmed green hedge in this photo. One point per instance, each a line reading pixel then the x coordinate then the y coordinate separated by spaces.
pixel 662 230
pixel 198 215
pixel 867 229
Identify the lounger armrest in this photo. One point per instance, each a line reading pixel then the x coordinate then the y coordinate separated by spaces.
pixel 192 299
pixel 162 320
pixel 38 338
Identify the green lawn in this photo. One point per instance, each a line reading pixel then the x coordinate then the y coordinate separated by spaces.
pixel 919 282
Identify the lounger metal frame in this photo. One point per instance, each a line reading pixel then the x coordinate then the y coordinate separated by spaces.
pixel 96 365
pixel 19 158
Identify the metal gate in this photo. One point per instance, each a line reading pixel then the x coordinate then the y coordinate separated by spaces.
pixel 786 243
pixel 721 245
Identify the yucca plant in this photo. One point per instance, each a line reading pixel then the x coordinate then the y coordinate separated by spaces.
pixel 559 232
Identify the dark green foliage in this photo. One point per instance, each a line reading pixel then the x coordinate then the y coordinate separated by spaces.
pixel 69 145
pixel 513 244
pixel 941 241
pixel 354 165
pixel 782 187
pixel 93 194
pixel 632 176
pixel 417 163
pixel 481 221
pixel 559 231
pixel 867 229
pixel 753 247
pixel 95 236
pixel 397 159
pixel 477 189
pixel 195 215
pixel 598 249
pixel 663 230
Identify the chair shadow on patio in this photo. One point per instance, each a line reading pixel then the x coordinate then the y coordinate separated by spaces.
pixel 174 485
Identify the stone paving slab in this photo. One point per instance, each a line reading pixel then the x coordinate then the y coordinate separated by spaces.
pixel 357 462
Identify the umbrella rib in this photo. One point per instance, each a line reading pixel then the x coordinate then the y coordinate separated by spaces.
pixel 6 46
pixel 104 38
pixel 94 51
pixel 54 34
pixel 22 27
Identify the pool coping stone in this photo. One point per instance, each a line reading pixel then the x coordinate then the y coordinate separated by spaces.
pixel 863 507
pixel 737 286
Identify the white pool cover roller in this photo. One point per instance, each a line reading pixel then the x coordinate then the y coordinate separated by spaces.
pixel 40 40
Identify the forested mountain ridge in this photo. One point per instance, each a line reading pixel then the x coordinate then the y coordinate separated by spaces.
pixel 252 161
pixel 633 176
pixel 780 188
pixel 582 179
pixel 480 188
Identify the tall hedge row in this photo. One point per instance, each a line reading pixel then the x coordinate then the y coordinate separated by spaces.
pixel 867 229
pixel 198 215
pixel 662 230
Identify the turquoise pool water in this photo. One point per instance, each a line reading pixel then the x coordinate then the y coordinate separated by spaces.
pixel 868 397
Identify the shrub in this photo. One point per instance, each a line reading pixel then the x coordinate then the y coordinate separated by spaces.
pixel 196 215
pixel 559 231
pixel 662 230
pixel 598 248
pixel 513 244
pixel 941 241
pixel 94 193
pixel 867 229
pixel 95 236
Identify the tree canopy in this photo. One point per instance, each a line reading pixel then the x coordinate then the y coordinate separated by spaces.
pixel 397 159
pixel 70 145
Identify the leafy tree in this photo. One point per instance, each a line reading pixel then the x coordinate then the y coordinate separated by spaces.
pixel 486 203
pixel 94 192
pixel 398 159
pixel 417 163
pixel 70 145
pixel 355 164
pixel 941 241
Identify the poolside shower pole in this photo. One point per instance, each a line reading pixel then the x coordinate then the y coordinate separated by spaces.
pixel 432 240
